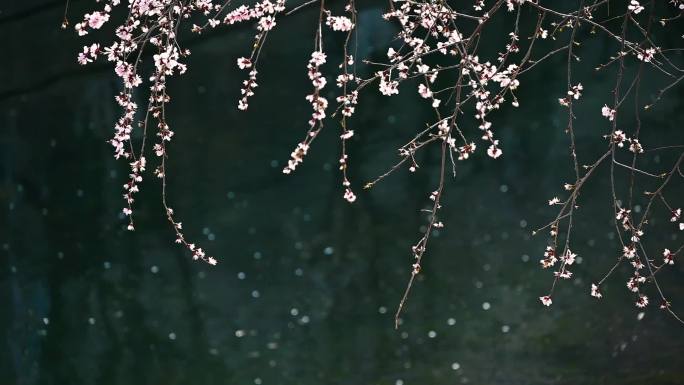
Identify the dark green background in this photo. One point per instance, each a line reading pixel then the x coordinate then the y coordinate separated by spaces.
pixel 115 299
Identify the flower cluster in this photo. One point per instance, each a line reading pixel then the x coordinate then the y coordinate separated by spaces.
pixel 94 20
pixel 339 23
pixel 347 100
pixel 573 93
pixel 263 12
pixel 646 55
pixel 635 7
pixel 248 86
pixel 150 27
pixel 318 103
pixel 608 112
pixel 89 54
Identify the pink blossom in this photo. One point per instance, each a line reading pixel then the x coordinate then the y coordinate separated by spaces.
pixel 388 87
pixel 549 258
pixel 494 151
pixel 608 112
pixel 349 195
pixel 243 63
pixel 96 19
pixel 424 91
pixel 642 301
pixel 339 23
pixel 267 23
pixel 646 55
pixel 318 58
pixel 348 134
pixel 635 7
